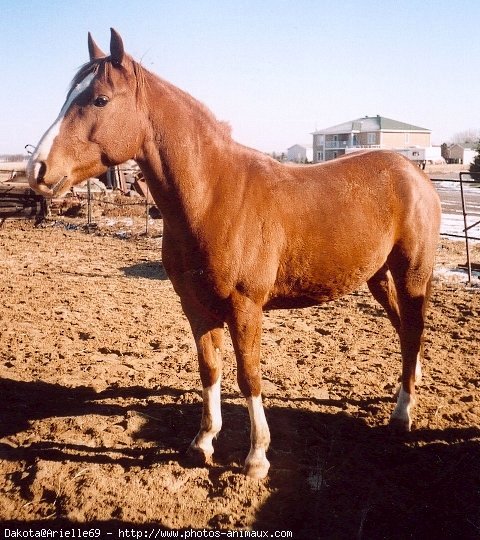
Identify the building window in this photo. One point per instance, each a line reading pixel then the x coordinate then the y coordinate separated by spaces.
pixel 319 156
pixel 371 138
pixel 320 139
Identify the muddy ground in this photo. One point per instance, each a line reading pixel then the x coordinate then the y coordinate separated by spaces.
pixel 100 397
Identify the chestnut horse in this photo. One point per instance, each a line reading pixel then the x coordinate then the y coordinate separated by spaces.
pixel 244 233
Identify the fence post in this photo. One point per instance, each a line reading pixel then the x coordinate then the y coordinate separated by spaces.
pixel 89 205
pixel 465 228
pixel 146 213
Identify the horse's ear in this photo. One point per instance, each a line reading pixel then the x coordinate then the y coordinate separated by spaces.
pixel 117 52
pixel 93 49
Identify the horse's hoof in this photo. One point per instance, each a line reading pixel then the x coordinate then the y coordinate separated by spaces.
pixel 400 425
pixel 257 470
pixel 197 457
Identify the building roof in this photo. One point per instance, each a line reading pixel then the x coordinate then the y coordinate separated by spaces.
pixel 306 146
pixel 465 146
pixel 372 123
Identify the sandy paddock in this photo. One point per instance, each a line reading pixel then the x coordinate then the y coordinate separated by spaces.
pixel 100 397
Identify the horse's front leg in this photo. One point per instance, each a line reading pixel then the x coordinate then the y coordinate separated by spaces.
pixel 209 341
pixel 245 326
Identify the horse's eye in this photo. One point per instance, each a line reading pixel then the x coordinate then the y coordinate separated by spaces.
pixel 100 101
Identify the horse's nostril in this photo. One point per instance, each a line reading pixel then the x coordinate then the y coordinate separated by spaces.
pixel 41 172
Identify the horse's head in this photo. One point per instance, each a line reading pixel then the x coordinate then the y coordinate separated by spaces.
pixel 99 124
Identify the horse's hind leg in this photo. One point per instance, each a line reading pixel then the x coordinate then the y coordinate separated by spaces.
pixel 413 291
pixel 208 334
pixel 383 289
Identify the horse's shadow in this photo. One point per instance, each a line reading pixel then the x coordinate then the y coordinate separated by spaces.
pixel 332 476
pixel 147 270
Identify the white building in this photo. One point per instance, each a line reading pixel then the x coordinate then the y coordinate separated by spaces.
pixel 421 154
pixel 373 132
pixel 300 153
pixel 461 153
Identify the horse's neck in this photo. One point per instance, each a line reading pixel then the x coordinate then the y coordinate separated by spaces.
pixel 183 157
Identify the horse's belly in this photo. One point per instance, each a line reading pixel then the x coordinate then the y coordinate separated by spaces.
pixel 312 285
pixel 290 302
pixel 300 297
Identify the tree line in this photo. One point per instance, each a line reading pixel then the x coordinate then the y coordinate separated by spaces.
pixel 13 157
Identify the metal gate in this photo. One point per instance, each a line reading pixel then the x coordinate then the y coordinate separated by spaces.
pixel 470 205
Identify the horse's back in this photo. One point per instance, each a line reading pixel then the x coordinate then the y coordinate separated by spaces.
pixel 368 191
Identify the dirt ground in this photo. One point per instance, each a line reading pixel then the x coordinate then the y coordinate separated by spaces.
pixel 100 397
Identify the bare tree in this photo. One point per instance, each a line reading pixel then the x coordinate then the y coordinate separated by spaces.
pixel 468 136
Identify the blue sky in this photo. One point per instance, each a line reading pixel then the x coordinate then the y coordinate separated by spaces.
pixel 275 70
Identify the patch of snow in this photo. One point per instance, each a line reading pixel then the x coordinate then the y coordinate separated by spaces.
pixel 455 276
pixel 453 224
pixel 124 221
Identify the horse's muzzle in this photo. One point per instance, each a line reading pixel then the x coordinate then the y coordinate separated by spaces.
pixel 36 171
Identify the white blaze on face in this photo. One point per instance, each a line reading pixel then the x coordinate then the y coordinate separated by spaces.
pixel 44 146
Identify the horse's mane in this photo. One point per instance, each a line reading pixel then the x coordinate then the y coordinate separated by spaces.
pixel 205 115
